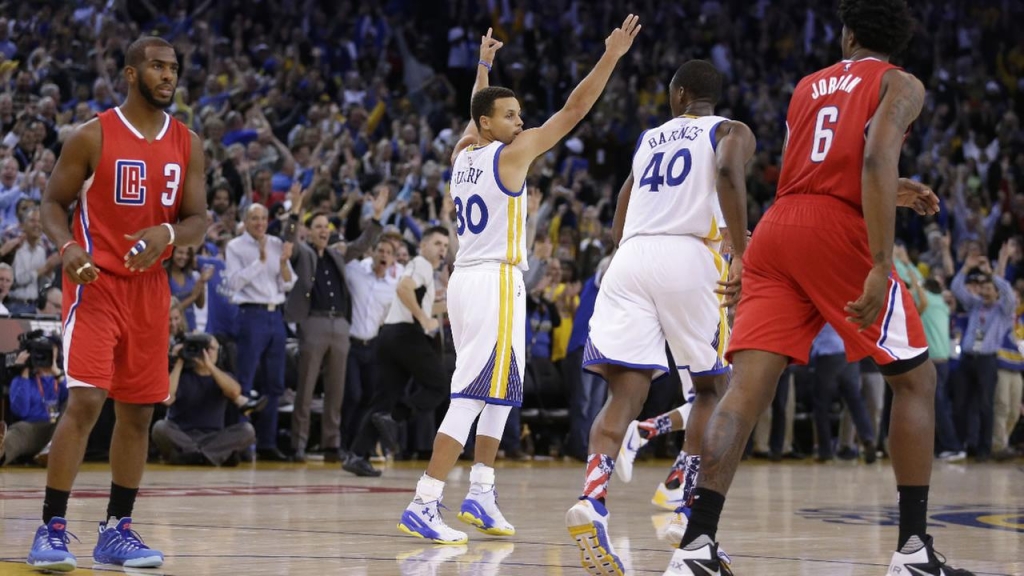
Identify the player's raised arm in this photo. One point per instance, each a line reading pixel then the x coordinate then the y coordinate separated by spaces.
pixel 536 141
pixel 73 167
pixel 488 48
pixel 902 99
pixel 191 226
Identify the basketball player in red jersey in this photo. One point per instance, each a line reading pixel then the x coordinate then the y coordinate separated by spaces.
pixel 823 253
pixel 147 194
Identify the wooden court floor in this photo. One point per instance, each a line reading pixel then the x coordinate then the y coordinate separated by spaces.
pixel 781 519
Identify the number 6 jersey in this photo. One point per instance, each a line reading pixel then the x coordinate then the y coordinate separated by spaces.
pixel 490 219
pixel 674 171
pixel 137 184
pixel 827 128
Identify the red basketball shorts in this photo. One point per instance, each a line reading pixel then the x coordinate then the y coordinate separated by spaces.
pixel 116 333
pixel 808 258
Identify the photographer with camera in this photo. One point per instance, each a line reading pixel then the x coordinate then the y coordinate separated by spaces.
pixel 194 432
pixel 37 395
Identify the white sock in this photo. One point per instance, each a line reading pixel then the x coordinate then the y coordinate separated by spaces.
pixel 429 489
pixel 481 478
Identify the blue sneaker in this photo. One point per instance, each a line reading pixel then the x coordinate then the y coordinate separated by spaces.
pixel 122 546
pixel 480 510
pixel 50 547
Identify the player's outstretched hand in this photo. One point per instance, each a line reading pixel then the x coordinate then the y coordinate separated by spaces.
pixel 489 46
pixel 150 243
pixel 621 38
pixel 920 198
pixel 78 265
pixel 731 288
pixel 866 309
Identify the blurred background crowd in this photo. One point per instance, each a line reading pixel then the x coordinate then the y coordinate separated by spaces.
pixel 334 116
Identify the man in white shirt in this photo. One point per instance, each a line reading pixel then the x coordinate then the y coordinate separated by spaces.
pixel 372 283
pixel 405 351
pixel 32 266
pixel 259 275
pixel 6 281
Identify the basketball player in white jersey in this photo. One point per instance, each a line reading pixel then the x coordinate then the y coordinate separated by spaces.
pixel 486 296
pixel 661 285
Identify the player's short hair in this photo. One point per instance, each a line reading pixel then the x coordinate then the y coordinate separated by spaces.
pixel 483 101
pixel 435 230
pixel 884 26
pixel 700 79
pixel 135 56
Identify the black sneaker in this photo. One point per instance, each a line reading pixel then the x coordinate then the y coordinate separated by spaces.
pixel 388 430
pixel 360 467
pixel 918 558
pixel 255 403
pixel 706 560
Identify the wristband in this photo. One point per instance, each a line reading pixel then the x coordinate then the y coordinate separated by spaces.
pixel 65 246
pixel 170 229
pixel 485 65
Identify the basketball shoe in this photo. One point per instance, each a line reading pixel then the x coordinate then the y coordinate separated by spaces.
pixel 705 560
pixel 119 544
pixel 423 520
pixel 918 558
pixel 587 523
pixel 480 510
pixel 665 497
pixel 50 547
pixel 632 443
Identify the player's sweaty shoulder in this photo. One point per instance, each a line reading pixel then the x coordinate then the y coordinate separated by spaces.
pixel 902 96
pixel 84 143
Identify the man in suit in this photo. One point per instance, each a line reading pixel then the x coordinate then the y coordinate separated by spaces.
pixel 321 306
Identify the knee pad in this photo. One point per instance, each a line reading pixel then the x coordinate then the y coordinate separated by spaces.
pixel 459 419
pixel 492 420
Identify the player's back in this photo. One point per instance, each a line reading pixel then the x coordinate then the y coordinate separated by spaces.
pixel 490 219
pixel 674 171
pixel 137 184
pixel 827 127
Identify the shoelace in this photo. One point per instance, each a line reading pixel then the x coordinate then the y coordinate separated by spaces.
pixel 952 570
pixel 59 539
pixel 127 541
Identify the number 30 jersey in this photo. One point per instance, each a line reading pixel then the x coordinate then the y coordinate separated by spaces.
pixel 674 171
pixel 490 219
pixel 827 125
pixel 137 184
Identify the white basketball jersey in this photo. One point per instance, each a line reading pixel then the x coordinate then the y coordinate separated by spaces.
pixel 489 218
pixel 674 171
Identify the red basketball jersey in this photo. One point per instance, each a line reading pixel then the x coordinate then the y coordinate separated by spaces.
pixel 827 123
pixel 137 184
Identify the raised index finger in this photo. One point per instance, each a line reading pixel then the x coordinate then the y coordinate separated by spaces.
pixel 489 30
pixel 625 23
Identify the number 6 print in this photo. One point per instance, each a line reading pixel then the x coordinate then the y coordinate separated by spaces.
pixel 824 133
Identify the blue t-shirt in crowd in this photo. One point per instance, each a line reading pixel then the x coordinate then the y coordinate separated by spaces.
pixel 32 397
pixel 581 323
pixel 222 314
pixel 182 291
pixel 199 403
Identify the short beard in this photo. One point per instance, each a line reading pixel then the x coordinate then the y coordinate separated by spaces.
pixel 151 98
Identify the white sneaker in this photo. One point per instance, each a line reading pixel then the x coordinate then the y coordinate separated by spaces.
pixel 480 510
pixel 668 498
pixel 631 443
pixel 676 528
pixel 587 523
pixel 706 560
pixel 423 520
pixel 951 456
pixel 918 558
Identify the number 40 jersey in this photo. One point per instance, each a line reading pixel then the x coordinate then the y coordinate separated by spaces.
pixel 674 171
pixel 490 219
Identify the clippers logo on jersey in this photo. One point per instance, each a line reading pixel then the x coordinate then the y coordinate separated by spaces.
pixel 129 179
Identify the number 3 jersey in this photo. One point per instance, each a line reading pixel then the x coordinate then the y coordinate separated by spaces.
pixel 490 219
pixel 827 125
pixel 137 184
pixel 674 172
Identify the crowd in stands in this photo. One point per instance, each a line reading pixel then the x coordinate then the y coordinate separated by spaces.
pixel 328 128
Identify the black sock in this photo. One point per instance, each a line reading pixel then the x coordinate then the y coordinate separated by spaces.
pixel 705 511
pixel 55 503
pixel 122 500
pixel 913 512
